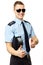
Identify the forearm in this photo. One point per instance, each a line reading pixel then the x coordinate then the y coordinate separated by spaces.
pixel 20 53
pixel 10 49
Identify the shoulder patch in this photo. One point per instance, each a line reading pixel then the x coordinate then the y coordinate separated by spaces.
pixel 26 21
pixel 11 23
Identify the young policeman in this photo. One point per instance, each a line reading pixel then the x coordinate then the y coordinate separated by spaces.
pixel 19 56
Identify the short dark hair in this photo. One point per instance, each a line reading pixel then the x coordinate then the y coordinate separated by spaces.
pixel 18 2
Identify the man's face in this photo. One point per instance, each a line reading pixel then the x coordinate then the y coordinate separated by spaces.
pixel 19 11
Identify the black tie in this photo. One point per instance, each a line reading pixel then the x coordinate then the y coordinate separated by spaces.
pixel 26 38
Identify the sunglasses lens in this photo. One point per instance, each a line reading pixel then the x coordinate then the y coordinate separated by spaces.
pixel 18 10
pixel 23 10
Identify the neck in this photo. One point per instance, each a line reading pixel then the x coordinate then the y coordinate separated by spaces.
pixel 20 19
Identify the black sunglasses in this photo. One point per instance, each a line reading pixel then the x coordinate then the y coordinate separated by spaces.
pixel 19 10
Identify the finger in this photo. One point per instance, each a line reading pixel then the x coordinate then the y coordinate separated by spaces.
pixel 32 46
pixel 20 46
pixel 23 54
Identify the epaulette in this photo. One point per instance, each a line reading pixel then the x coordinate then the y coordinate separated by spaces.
pixel 26 21
pixel 11 23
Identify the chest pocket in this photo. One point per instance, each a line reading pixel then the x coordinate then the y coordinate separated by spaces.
pixel 18 31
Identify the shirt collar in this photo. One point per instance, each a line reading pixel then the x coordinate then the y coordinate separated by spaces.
pixel 18 21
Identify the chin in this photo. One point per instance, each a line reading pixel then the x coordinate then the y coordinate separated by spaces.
pixel 21 17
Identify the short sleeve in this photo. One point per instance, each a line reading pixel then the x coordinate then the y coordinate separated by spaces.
pixel 8 34
pixel 32 32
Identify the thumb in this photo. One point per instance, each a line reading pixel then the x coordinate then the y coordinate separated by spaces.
pixel 20 47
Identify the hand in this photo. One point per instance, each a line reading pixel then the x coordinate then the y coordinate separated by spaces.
pixel 21 53
pixel 32 44
pixel 34 41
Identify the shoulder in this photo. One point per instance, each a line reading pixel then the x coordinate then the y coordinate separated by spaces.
pixel 26 22
pixel 11 23
pixel 10 26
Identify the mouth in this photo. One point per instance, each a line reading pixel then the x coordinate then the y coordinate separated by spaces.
pixel 21 15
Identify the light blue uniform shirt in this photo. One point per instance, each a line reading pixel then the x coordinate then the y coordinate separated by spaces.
pixel 17 30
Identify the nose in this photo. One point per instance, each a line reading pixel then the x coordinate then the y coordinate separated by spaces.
pixel 21 12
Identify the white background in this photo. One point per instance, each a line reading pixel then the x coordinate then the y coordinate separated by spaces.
pixel 34 14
